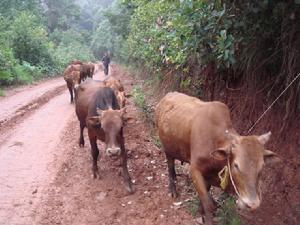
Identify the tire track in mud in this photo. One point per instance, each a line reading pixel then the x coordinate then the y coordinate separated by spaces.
pixel 25 111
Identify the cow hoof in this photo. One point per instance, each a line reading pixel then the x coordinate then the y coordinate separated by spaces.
pixel 172 192
pixel 208 221
pixel 129 189
pixel 96 175
pixel 174 195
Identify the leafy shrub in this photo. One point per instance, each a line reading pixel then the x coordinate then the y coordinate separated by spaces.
pixel 139 97
pixel 6 77
pixel 30 42
pixel 22 75
pixel 226 214
pixel 193 206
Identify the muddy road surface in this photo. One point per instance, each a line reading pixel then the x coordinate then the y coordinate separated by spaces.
pixel 46 178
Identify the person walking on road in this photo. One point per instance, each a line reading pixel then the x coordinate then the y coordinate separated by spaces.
pixel 106 60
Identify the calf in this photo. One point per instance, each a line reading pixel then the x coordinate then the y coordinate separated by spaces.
pixel 97 108
pixel 72 77
pixel 118 88
pixel 201 133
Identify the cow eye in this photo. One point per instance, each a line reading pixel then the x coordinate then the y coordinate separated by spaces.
pixel 235 165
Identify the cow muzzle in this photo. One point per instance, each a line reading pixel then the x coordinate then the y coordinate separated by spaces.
pixel 113 151
pixel 250 204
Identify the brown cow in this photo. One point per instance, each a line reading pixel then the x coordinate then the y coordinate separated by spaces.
pixel 201 133
pixel 89 88
pixel 77 72
pixel 86 70
pixel 72 78
pixel 118 88
pixel 98 109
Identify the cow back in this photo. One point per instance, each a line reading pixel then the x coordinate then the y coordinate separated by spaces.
pixel 83 97
pixel 183 121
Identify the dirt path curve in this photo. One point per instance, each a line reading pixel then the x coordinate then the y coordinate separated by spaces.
pixel 45 178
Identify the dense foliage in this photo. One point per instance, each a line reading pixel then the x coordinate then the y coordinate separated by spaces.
pixel 237 40
pixel 231 34
pixel 39 38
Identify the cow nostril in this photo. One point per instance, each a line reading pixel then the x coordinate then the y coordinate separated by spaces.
pixel 248 206
pixel 253 205
pixel 113 151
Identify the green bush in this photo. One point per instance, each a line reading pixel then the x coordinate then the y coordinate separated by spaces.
pixel 30 41
pixel 226 214
pixel 139 97
pixel 22 75
pixel 6 77
pixel 193 206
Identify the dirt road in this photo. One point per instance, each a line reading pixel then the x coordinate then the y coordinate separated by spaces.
pixel 45 178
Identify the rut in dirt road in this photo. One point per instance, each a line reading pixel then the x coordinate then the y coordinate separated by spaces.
pixel 19 105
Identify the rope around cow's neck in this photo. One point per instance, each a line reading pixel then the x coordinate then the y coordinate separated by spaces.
pixel 231 178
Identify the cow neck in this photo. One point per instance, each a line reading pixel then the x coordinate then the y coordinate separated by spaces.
pixel 230 175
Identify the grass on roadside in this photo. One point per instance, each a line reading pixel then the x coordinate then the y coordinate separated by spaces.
pixel 139 97
pixel 2 93
pixel 226 213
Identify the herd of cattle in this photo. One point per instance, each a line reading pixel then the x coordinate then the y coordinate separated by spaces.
pixel 190 130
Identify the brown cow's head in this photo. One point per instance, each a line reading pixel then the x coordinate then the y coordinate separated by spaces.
pixel 247 157
pixel 121 98
pixel 111 122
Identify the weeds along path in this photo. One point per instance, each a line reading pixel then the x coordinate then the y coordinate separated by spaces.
pixel 45 178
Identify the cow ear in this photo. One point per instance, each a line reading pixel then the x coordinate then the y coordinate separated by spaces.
pixel 264 138
pixel 219 154
pixel 93 121
pixel 271 157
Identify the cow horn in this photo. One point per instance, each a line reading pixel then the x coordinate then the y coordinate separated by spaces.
pixel 229 135
pixel 264 138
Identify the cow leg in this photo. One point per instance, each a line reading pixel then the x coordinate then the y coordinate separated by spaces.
pixel 205 199
pixel 70 87
pixel 172 176
pixel 95 154
pixel 127 179
pixel 81 139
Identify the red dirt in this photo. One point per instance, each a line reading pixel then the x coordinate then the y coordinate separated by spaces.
pixel 280 182
pixel 46 178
